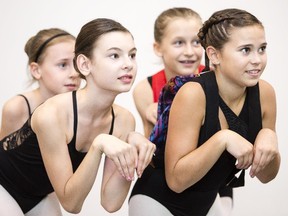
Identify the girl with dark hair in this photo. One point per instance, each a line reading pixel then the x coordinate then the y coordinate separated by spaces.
pixel 219 124
pixel 60 147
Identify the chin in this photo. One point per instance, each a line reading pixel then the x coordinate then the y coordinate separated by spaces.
pixel 252 83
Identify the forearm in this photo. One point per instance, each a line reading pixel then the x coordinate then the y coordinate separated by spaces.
pixel 192 167
pixel 267 158
pixel 114 192
pixel 81 182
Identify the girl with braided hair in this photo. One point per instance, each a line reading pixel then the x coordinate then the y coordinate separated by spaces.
pixel 220 123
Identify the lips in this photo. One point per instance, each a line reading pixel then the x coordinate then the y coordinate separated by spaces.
pixel 71 86
pixel 187 62
pixel 254 72
pixel 126 77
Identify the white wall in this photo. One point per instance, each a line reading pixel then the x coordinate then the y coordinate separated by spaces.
pixel 21 19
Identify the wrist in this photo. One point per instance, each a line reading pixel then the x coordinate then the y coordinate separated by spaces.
pixel 98 144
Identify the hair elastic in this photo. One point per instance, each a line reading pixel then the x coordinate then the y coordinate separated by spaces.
pixel 45 43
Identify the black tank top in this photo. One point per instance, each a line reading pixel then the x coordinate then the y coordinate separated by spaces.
pixel 197 199
pixel 21 166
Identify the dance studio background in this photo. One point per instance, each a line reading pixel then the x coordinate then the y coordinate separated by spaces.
pixel 19 20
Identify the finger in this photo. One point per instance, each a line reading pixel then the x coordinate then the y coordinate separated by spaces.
pixel 118 166
pixel 255 164
pixel 124 166
pixel 141 159
pixel 148 157
pixel 130 163
pixel 247 161
pixel 250 160
pixel 262 163
pixel 239 162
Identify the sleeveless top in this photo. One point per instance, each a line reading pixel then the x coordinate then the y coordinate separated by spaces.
pixel 197 199
pixel 158 80
pixel 28 105
pixel 22 170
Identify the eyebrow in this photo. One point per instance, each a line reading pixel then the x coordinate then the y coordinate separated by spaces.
pixel 116 48
pixel 250 45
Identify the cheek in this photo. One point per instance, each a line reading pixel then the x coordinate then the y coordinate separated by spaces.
pixel 168 56
pixel 264 59
pixel 199 52
pixel 135 68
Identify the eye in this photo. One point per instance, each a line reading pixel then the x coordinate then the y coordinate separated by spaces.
pixel 178 43
pixel 114 56
pixel 245 50
pixel 262 49
pixel 62 65
pixel 133 56
pixel 196 43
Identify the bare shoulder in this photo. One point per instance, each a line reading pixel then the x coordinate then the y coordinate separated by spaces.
pixel 190 96
pixel 141 85
pixel 16 107
pixel 268 104
pixel 142 89
pixel 267 93
pixel 191 91
pixel 122 114
pixel 124 119
pixel 53 112
pixel 266 87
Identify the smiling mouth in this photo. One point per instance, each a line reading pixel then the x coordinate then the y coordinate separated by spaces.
pixel 187 62
pixel 126 77
pixel 253 72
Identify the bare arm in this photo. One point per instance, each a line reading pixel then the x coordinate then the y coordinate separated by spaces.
pixel 266 160
pixel 185 164
pixel 143 98
pixel 53 137
pixel 114 187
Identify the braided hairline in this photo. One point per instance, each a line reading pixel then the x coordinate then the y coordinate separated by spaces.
pixel 215 30
pixel 215 27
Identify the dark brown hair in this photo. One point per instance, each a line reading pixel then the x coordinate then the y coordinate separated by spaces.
pixel 90 34
pixel 216 30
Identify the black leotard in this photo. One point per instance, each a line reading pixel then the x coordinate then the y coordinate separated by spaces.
pixel 22 171
pixel 197 199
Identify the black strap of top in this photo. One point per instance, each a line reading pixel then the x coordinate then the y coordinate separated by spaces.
pixel 28 105
pixel 255 113
pixel 212 100
pixel 75 111
pixel 76 116
pixel 149 78
pixel 112 123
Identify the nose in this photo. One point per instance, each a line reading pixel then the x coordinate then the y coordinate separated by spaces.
pixel 73 73
pixel 189 50
pixel 128 64
pixel 256 58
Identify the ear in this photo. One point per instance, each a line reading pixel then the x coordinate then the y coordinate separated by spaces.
pixel 157 49
pixel 213 55
pixel 83 64
pixel 35 70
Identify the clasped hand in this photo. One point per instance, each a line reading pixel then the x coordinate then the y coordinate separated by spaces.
pixel 256 156
pixel 135 154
